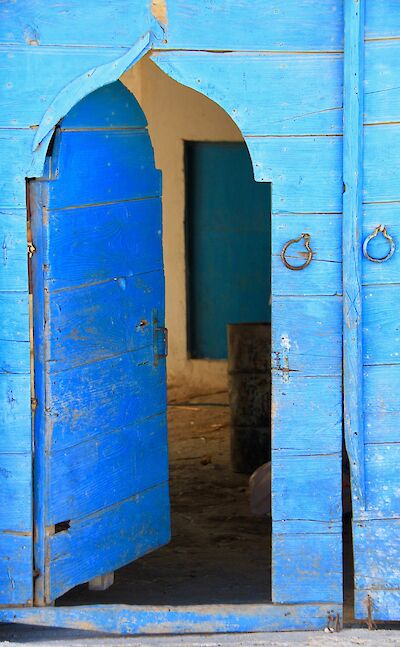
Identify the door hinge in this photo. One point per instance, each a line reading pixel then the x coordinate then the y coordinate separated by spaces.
pixel 34 403
pixel 31 249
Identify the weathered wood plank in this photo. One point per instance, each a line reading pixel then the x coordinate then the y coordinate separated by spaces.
pixel 15 568
pixel 306 336
pixel 15 413
pixel 123 159
pixel 377 557
pixel 15 487
pixel 14 333
pixel 353 182
pixel 324 274
pixel 106 469
pixel 381 404
pixel 305 172
pixel 123 619
pixel 111 105
pixel 382 163
pixel 13 255
pixel 86 329
pixel 104 24
pixel 381 325
pixel 103 542
pixel 233 81
pixel 82 401
pixel 15 160
pixel 320 27
pixel 307 414
pixel 309 569
pixel 382 91
pixel 382 19
pixel 94 244
pixel 385 605
pixel 296 479
pixel 381 480
pixel 32 78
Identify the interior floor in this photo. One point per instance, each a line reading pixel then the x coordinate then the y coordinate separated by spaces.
pixel 219 552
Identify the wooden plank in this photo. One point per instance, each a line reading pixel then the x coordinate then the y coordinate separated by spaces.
pixel 320 27
pixel 306 336
pixel 388 215
pixel 324 274
pixel 14 333
pixel 82 401
pixel 303 421
pixel 85 328
pixel 385 605
pixel 296 479
pixel 305 172
pixel 103 542
pixel 15 487
pixel 15 569
pixel 103 470
pixel 233 81
pixel 381 480
pixel 381 404
pixel 15 160
pixel 96 244
pixel 111 105
pixel 382 92
pixel 353 180
pixel 377 558
pixel 309 569
pixel 104 24
pixel 123 159
pixel 382 163
pixel 33 79
pixel 15 413
pixel 382 19
pixel 14 268
pixel 16 326
pixel 381 326
pixel 125 619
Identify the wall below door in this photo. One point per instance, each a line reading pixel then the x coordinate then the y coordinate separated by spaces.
pixel 177 114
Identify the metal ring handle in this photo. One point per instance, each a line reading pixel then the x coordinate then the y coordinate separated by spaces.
pixel 379 229
pixel 296 268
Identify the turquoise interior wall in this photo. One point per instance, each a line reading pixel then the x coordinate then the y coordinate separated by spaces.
pixel 228 237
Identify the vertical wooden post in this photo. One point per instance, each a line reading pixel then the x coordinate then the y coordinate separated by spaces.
pixel 353 140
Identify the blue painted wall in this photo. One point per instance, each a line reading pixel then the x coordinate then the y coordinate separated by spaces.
pixel 228 235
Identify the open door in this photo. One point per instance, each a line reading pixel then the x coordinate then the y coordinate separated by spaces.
pixel 101 464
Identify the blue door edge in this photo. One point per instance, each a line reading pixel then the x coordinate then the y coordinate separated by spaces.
pixel 214 618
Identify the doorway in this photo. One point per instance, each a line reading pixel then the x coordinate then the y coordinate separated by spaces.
pixel 193 402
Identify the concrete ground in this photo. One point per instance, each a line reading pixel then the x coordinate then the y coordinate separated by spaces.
pixel 19 635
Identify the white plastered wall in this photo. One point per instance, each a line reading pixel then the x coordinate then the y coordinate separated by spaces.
pixel 176 113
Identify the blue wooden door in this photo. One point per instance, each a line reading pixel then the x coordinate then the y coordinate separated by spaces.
pixel 228 243
pixel 101 491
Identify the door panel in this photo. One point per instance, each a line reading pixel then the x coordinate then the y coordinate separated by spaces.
pixel 376 528
pixel 100 424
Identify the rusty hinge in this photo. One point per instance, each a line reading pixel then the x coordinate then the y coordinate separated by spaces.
pixel 370 621
pixel 334 624
pixel 31 249
pixel 34 403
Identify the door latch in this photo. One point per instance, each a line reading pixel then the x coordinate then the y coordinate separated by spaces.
pixel 160 340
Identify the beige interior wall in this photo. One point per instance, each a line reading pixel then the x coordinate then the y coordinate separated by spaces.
pixel 176 113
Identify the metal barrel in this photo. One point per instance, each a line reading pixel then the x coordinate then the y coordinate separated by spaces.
pixel 249 373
